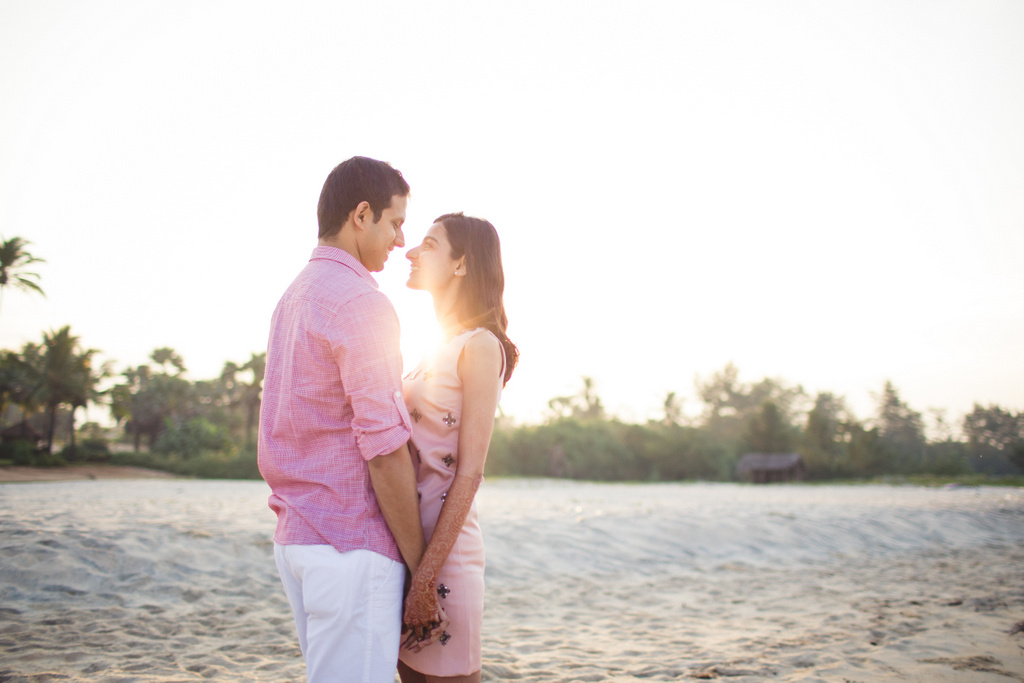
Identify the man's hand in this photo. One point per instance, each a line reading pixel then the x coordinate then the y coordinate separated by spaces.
pixel 424 619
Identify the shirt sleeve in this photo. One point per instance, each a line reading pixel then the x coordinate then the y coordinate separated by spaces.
pixel 365 344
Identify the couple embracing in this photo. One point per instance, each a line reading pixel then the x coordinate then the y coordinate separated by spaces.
pixel 370 474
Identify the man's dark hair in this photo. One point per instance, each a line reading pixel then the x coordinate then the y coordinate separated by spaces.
pixel 359 179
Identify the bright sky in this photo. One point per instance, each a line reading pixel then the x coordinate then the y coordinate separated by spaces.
pixel 831 193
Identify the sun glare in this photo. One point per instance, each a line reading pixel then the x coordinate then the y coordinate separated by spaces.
pixel 420 331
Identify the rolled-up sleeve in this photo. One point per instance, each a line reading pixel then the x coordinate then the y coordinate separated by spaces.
pixel 365 343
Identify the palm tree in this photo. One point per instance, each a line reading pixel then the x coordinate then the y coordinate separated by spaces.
pixel 673 406
pixel 253 394
pixel 65 376
pixel 13 259
pixel 241 397
pixel 126 404
pixel 147 399
pixel 16 382
pixel 168 358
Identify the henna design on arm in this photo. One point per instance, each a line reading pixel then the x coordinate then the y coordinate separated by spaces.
pixel 422 606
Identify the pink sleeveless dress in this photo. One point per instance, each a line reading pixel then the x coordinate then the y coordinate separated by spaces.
pixel 433 395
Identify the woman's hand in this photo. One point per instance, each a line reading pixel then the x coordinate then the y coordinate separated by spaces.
pixel 424 619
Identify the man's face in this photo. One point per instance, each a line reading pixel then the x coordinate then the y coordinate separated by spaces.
pixel 378 239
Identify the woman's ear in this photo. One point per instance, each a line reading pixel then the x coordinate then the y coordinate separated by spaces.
pixel 460 266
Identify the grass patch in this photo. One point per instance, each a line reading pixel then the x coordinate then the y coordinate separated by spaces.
pixel 934 480
pixel 928 480
pixel 207 465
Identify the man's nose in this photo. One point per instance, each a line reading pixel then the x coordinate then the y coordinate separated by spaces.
pixel 399 238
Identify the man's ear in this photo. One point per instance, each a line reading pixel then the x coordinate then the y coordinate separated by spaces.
pixel 362 215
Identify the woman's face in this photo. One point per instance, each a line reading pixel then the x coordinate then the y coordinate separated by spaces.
pixel 432 266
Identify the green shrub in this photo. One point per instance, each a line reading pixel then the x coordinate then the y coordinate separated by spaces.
pixel 18 451
pixel 192 438
pixel 609 450
pixel 44 459
pixel 89 450
pixel 228 464
pixel 234 465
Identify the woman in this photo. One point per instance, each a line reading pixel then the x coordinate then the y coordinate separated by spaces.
pixel 452 396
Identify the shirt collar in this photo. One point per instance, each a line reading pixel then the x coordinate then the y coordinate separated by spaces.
pixel 324 253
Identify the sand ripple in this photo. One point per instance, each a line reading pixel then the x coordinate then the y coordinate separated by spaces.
pixel 173 580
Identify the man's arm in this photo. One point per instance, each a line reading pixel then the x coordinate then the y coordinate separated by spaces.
pixel 371 364
pixel 394 484
pixel 364 340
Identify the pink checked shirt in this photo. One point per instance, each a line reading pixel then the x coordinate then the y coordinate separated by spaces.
pixel 332 400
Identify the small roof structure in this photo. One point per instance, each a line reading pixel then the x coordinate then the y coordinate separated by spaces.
pixel 768 461
pixel 767 467
pixel 21 430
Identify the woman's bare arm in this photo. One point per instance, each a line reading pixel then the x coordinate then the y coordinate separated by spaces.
pixel 480 369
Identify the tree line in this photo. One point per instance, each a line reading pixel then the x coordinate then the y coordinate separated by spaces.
pixel 579 440
pixel 205 427
pixel 208 427
pixel 167 420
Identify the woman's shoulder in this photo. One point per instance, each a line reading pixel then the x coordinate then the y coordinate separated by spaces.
pixel 483 340
pixel 481 352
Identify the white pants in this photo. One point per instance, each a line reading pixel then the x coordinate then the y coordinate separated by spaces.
pixel 348 611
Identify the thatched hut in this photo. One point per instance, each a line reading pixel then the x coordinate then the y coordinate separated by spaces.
pixel 764 468
pixel 22 431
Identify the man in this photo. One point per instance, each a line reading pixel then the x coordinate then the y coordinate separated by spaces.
pixel 333 435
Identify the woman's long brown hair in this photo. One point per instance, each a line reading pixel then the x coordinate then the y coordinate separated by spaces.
pixel 481 301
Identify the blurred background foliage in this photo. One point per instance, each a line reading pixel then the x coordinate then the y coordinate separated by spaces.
pixel 208 428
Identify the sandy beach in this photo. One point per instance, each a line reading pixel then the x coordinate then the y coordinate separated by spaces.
pixel 15 473
pixel 173 580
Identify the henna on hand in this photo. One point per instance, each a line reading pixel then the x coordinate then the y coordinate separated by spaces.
pixel 422 608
